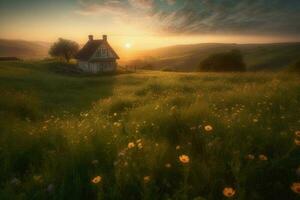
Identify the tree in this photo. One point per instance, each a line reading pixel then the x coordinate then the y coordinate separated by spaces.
pixel 224 62
pixel 65 49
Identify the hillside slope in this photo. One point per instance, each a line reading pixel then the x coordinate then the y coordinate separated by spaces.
pixel 23 49
pixel 147 135
pixel 257 56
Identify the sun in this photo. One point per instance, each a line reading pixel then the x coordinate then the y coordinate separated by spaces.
pixel 128 45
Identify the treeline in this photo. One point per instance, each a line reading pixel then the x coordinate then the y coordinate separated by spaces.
pixel 224 62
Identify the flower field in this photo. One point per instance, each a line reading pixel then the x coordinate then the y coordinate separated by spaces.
pixel 148 135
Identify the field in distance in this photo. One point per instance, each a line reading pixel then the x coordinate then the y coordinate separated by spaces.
pixel 147 135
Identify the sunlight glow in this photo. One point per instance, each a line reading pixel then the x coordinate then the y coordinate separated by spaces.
pixel 128 45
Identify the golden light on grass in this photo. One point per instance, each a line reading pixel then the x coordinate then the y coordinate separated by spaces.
pixel 228 192
pixel 96 179
pixel 184 159
pixel 295 187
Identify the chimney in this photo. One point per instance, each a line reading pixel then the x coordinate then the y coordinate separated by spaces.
pixel 91 38
pixel 105 38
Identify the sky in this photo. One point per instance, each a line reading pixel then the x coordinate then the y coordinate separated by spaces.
pixel 146 24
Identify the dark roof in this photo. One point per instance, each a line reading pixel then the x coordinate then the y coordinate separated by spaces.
pixel 89 49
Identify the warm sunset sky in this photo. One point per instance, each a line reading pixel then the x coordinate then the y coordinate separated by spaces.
pixel 152 23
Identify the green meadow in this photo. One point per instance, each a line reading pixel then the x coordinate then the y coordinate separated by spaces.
pixel 147 135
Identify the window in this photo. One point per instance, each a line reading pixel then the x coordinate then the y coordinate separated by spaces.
pixel 103 51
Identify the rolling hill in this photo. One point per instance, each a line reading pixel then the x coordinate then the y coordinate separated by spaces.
pixel 187 57
pixel 23 49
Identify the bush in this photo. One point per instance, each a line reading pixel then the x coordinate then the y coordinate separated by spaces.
pixel 224 62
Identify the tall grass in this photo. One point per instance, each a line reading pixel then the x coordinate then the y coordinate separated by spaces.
pixel 58 132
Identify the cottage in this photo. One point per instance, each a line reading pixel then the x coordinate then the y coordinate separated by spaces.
pixel 97 56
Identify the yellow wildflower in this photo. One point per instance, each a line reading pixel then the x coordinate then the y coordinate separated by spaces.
pixel 139 140
pixel 131 145
pixel 37 178
pixel 295 187
pixel 228 192
pixel 96 179
pixel 208 128
pixel 297 142
pixel 177 147
pixel 184 159
pixel 146 179
pixel 95 162
pixel 263 157
pixel 250 157
pixel 140 145
pixel 168 165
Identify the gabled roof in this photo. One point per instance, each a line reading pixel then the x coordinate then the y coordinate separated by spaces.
pixel 90 47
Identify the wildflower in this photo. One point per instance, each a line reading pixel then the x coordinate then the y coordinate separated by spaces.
pixel 173 109
pixel 228 192
pixel 146 179
pixel 15 181
pixel 50 188
pixel 184 159
pixel 131 145
pixel 297 133
pixel 193 128
pixel 177 147
pixel 168 165
pixel 37 178
pixel 208 128
pixel 297 142
pixel 96 179
pixel 255 120
pixel 95 162
pixel 140 145
pixel 295 187
pixel 115 114
pixel 250 157
pixel 263 157
pixel 139 141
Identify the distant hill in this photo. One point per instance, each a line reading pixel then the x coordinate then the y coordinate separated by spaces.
pixel 257 56
pixel 23 49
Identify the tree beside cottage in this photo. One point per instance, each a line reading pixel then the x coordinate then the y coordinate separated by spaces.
pixel 97 56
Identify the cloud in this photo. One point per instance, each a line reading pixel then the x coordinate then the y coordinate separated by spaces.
pixel 143 4
pixel 281 17
pixel 171 2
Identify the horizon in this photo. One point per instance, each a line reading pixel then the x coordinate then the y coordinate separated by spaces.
pixel 136 25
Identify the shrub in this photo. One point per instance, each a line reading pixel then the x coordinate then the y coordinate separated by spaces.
pixel 224 62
